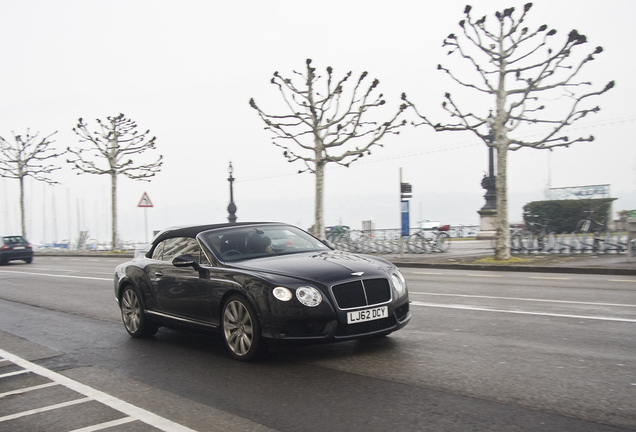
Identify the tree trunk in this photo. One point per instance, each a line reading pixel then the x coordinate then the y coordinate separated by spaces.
pixel 113 196
pixel 502 250
pixel 319 224
pixel 24 233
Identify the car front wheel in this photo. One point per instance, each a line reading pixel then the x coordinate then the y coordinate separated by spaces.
pixel 133 316
pixel 241 329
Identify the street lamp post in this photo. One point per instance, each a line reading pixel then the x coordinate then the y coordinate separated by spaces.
pixel 488 213
pixel 489 182
pixel 231 208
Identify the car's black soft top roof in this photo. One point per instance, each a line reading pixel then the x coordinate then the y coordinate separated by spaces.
pixel 193 230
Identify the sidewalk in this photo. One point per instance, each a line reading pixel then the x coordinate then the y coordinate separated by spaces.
pixel 477 255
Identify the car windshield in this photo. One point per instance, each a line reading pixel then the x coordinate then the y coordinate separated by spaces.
pixel 242 242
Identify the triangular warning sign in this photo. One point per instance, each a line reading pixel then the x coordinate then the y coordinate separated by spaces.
pixel 145 201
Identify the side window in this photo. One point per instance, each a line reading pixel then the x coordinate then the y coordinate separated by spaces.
pixel 168 249
pixel 202 258
pixel 174 247
pixel 156 254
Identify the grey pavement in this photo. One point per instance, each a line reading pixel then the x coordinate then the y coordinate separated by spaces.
pixel 478 255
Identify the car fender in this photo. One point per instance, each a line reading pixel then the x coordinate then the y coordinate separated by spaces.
pixel 135 276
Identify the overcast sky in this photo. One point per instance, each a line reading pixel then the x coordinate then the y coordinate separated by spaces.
pixel 186 70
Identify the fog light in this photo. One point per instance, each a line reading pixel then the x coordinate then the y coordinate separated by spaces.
pixel 282 294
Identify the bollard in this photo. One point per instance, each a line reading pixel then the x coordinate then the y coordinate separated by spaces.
pixel 631 238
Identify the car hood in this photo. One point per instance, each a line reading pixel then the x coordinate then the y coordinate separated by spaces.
pixel 325 267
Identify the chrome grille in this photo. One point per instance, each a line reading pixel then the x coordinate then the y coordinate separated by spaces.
pixel 361 293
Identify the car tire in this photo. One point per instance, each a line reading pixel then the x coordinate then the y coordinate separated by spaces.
pixel 133 314
pixel 241 329
pixel 28 260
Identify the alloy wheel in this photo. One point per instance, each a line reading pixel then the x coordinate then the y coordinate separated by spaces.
pixel 238 328
pixel 131 311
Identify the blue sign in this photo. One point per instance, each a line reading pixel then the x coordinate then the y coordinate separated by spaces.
pixel 405 218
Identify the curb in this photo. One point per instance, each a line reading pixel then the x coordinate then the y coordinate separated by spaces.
pixel 512 268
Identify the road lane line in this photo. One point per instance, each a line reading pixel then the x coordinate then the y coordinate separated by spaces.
pixel 138 413
pixel 106 425
pixel 472 308
pixel 27 389
pixel 58 276
pixel 9 374
pixel 523 299
pixel 549 278
pixel 44 409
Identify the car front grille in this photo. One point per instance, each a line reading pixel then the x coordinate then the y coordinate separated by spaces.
pixel 362 293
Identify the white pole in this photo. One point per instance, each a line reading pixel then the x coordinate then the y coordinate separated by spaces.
pixel 146 222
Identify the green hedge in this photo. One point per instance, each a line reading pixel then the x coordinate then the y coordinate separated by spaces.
pixel 565 214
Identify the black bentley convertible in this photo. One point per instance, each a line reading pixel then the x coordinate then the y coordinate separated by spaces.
pixel 259 282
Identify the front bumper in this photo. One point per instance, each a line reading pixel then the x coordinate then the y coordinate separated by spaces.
pixel 335 328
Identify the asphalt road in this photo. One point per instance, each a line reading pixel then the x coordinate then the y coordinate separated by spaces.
pixel 491 351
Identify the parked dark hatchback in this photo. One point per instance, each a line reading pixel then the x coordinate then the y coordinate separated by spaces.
pixel 256 283
pixel 13 248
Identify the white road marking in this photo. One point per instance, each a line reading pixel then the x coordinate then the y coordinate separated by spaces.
pixel 549 278
pixel 27 389
pixel 479 309
pixel 130 410
pixel 10 374
pixel 44 409
pixel 106 425
pixel 57 276
pixel 523 299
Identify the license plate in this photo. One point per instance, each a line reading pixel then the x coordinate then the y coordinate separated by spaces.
pixel 367 315
pixel 19 247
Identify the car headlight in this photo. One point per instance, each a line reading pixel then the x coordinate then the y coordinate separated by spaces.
pixel 282 294
pixel 399 283
pixel 309 296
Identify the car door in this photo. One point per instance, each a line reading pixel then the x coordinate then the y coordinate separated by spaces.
pixel 180 291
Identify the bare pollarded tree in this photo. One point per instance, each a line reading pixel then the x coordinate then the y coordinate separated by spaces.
pixel 109 150
pixel 326 123
pixel 526 82
pixel 28 156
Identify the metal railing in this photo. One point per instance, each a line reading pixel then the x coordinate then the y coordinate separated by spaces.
pixel 572 243
pixel 390 241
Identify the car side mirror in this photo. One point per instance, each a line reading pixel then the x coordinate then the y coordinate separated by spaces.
pixel 185 260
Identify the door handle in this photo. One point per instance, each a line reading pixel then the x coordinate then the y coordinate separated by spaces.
pixel 159 274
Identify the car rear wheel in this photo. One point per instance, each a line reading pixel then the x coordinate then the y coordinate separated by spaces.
pixel 241 329
pixel 133 316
